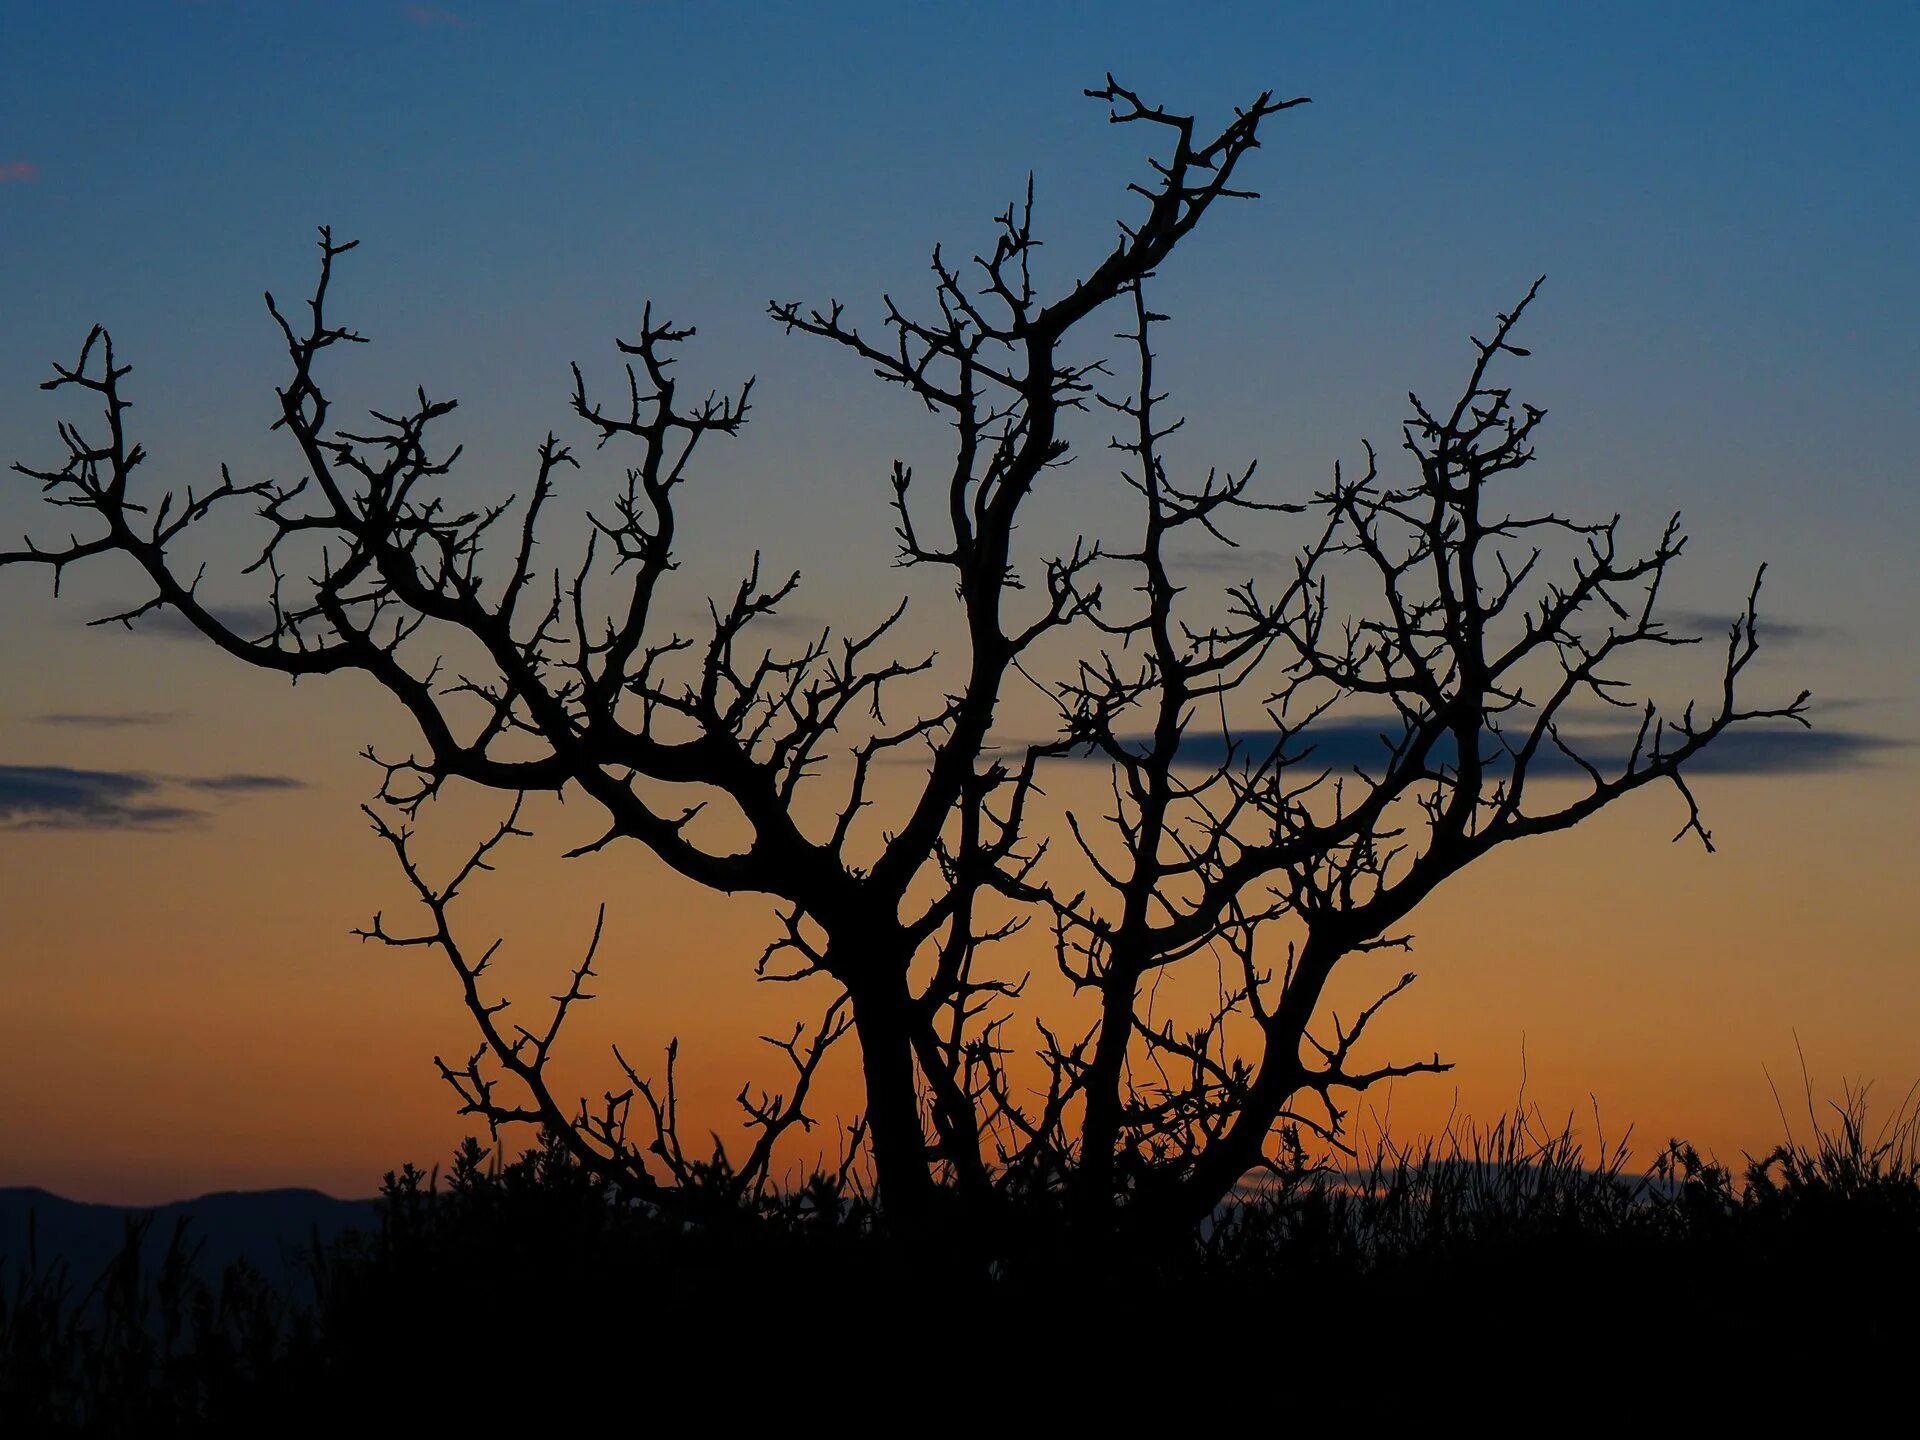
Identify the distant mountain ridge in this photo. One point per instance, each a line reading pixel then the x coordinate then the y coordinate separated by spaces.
pixel 269 1229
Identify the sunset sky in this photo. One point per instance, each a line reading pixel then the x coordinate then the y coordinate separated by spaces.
pixel 1721 197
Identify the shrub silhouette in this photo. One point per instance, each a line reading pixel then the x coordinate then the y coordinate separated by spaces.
pixel 1296 762
pixel 145 1347
pixel 1524 1245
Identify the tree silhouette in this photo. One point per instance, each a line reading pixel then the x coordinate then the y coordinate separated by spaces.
pixel 1420 607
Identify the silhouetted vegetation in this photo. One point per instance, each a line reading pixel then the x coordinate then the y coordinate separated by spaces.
pixel 1476 638
pixel 1490 1245
pixel 148 1346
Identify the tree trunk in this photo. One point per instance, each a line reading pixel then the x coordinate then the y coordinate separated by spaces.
pixel 1233 1154
pixel 880 1021
pixel 1100 1129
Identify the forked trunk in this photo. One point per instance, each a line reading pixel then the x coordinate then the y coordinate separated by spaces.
pixel 900 1160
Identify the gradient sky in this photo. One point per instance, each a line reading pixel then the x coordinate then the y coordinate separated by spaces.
pixel 1722 199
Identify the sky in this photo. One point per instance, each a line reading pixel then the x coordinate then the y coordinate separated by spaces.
pixel 1721 199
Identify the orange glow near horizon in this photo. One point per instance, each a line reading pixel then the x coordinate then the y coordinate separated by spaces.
pixel 167 1034
pixel 1727 334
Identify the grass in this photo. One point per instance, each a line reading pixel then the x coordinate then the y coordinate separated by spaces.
pixel 1508 1241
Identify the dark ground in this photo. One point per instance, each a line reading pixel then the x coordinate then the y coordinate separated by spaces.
pixel 1467 1276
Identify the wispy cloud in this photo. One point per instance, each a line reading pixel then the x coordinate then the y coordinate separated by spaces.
pixel 18 172
pixel 1772 628
pixel 247 621
pixel 1364 745
pixel 698 620
pixel 1823 704
pixel 433 17
pixel 242 784
pixel 59 797
pixel 1767 751
pixel 105 719
pixel 1233 563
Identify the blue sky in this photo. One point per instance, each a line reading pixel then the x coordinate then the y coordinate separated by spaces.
pixel 1721 196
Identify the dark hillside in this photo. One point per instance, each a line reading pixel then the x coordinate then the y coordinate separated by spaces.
pixel 260 1227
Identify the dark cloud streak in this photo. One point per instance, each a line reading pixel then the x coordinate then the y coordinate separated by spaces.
pixel 1236 565
pixel 435 17
pixel 248 621
pixel 1348 745
pixel 105 719
pixel 60 797
pixel 54 797
pixel 242 784
pixel 1772 628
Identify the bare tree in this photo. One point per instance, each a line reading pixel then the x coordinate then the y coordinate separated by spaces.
pixel 1464 658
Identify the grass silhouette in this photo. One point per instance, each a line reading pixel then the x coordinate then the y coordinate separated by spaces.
pixel 1508 1241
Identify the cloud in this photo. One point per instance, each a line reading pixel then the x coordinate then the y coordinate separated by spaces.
pixel 1830 704
pixel 1233 563
pixel 1347 745
pixel 18 172
pixel 55 797
pixel 1767 751
pixel 246 621
pixel 58 797
pixel 698 620
pixel 432 17
pixel 104 719
pixel 1772 628
pixel 1236 565
pixel 242 784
